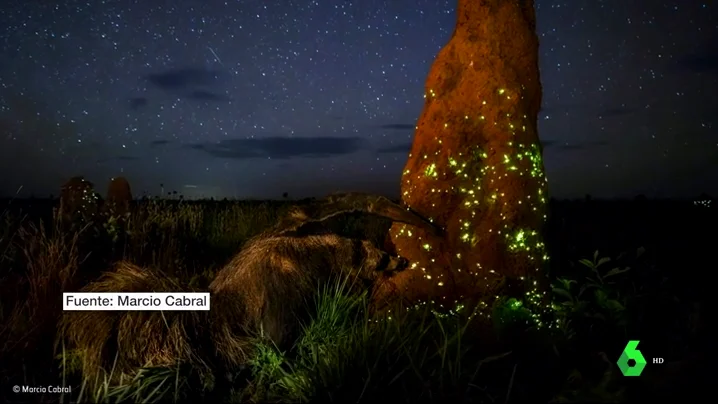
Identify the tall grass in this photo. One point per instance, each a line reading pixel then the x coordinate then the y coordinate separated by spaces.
pixel 41 257
pixel 37 266
pixel 342 356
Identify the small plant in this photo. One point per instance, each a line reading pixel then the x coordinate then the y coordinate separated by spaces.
pixel 605 390
pixel 593 295
pixel 116 226
pixel 592 309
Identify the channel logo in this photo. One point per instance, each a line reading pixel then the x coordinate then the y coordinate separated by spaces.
pixel 631 353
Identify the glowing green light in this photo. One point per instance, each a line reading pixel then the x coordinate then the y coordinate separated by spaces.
pixel 479 179
pixel 431 170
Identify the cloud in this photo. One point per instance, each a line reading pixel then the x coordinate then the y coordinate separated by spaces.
pixel 555 109
pixel 398 126
pixel 202 95
pixel 195 95
pixel 127 158
pixel 566 146
pixel 118 158
pixel 397 148
pixel 137 102
pixel 175 79
pixel 159 142
pixel 700 62
pixel 703 60
pixel 190 83
pixel 281 147
pixel 616 111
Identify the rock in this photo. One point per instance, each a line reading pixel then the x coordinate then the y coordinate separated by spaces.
pixel 475 165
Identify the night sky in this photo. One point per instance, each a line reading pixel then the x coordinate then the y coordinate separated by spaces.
pixel 251 99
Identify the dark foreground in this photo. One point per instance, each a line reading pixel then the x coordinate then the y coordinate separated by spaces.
pixel 653 289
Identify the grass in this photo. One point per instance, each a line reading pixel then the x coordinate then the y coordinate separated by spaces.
pixel 343 354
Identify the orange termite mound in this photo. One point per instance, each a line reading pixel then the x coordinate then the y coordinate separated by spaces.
pixel 119 196
pixel 475 166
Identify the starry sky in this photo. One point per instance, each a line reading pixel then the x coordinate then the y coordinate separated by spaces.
pixel 255 98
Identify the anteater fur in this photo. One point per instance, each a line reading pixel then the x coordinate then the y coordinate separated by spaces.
pixel 263 290
pixel 308 219
pixel 268 285
pixel 127 340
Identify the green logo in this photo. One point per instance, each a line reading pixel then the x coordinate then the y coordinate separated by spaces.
pixel 630 352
